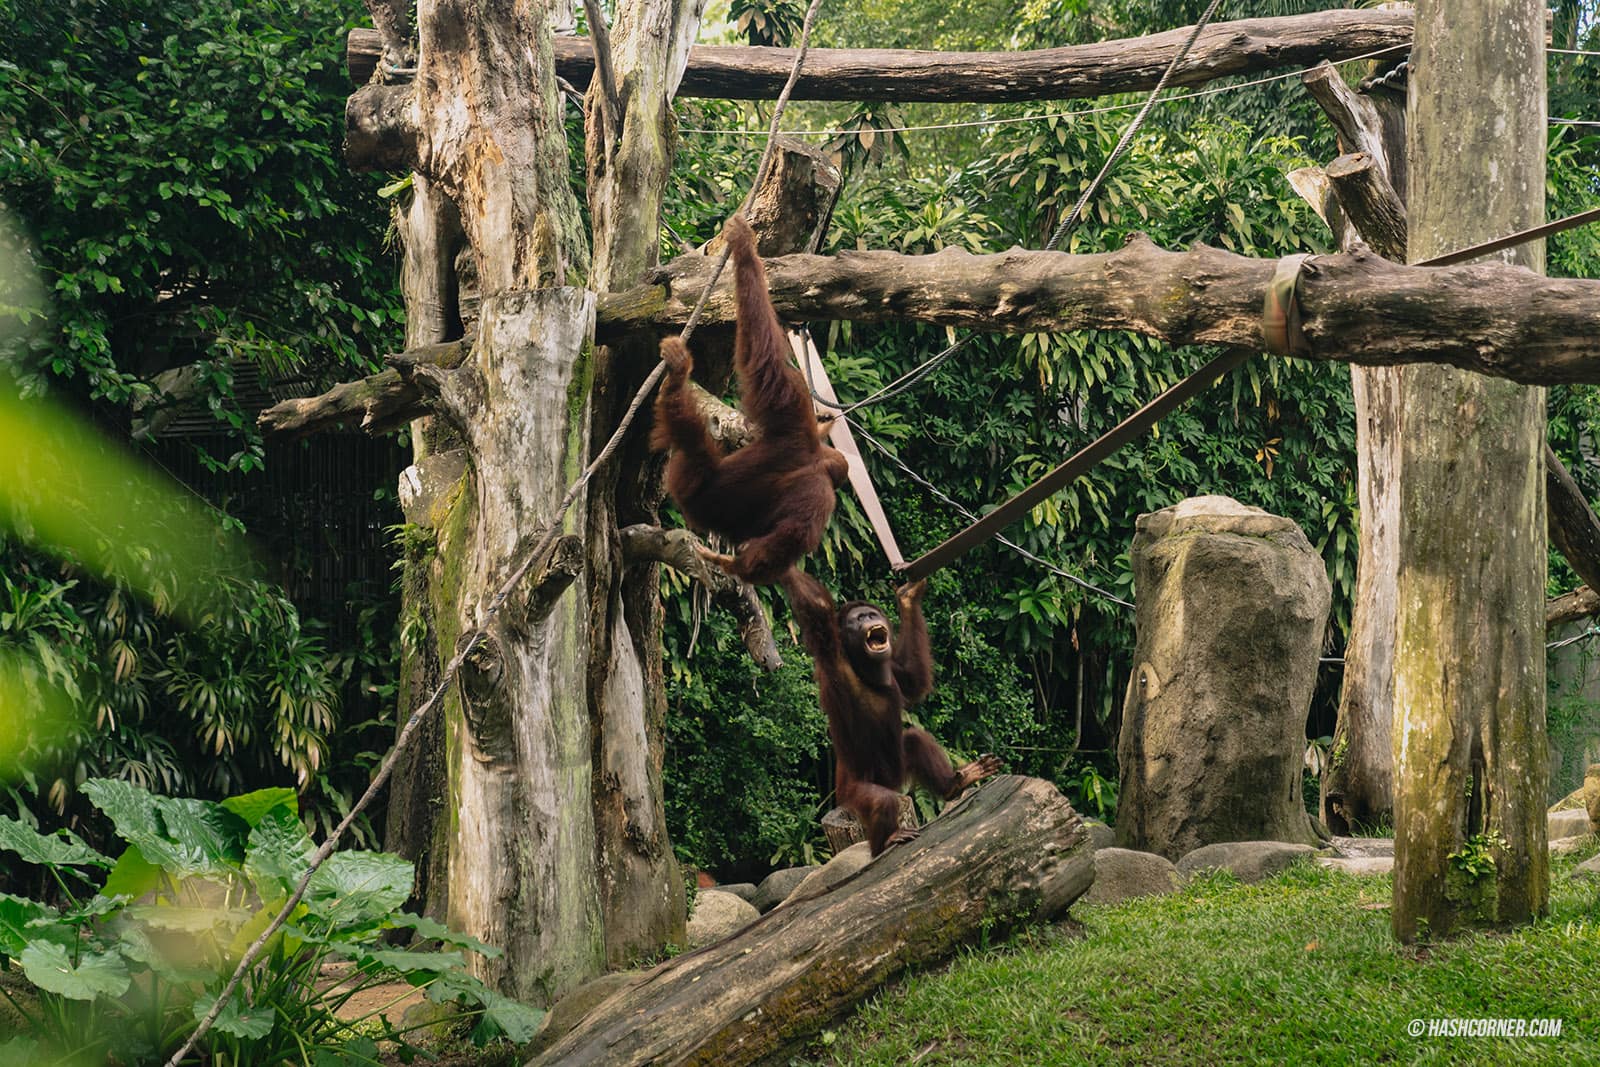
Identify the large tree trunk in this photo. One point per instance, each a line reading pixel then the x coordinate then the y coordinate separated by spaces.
pixel 1470 755
pixel 629 158
pixel 1013 852
pixel 516 808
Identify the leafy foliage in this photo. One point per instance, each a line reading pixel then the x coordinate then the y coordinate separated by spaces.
pixel 127 972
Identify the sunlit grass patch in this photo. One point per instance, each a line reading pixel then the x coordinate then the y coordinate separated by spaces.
pixel 1299 969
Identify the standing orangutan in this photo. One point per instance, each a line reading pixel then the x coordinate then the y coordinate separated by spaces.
pixel 773 497
pixel 867 679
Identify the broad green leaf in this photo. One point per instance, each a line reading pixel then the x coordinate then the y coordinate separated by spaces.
pixel 21 1052
pixel 135 943
pixel 438 931
pixel 50 967
pixel 183 837
pixel 236 1018
pixel 252 806
pixel 516 1020
pixel 189 920
pixel 359 886
pixel 278 853
pixel 60 849
pixel 405 960
pixel 16 916
pixel 133 876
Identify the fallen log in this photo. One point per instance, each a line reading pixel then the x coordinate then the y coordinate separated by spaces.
pixel 1012 852
pixel 1356 307
pixel 1243 46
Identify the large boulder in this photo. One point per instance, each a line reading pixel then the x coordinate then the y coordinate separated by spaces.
pixel 1573 822
pixel 821 879
pixel 742 890
pixel 1231 611
pixel 1100 835
pixel 1121 874
pixel 717 916
pixel 1250 861
pixel 777 886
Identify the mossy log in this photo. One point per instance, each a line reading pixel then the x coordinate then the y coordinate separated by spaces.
pixel 1011 852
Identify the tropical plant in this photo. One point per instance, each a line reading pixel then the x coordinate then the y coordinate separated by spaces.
pixel 138 949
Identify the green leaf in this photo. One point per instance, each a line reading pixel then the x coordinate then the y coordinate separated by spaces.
pixel 133 876
pixel 236 1018
pixel 408 961
pixel 21 1052
pixel 183 837
pixel 359 886
pixel 427 928
pixel 188 920
pixel 134 942
pixel 252 806
pixel 17 914
pixel 278 853
pixel 50 967
pixel 60 849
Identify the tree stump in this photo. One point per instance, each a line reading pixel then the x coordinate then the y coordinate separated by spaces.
pixel 1011 852
pixel 844 829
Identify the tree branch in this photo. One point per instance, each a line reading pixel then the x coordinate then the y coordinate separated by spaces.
pixel 376 404
pixel 1570 607
pixel 1356 308
pixel 643 543
pixel 600 39
pixel 1224 49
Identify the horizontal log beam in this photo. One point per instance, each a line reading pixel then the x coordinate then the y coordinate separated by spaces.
pixel 375 404
pixel 1224 49
pixel 1491 318
pixel 1581 603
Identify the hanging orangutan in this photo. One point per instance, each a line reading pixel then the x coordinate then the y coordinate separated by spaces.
pixel 867 678
pixel 773 497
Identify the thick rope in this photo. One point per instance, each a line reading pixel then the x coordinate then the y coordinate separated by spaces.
pixel 453 668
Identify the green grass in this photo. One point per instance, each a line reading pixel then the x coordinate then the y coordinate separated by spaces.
pixel 1297 970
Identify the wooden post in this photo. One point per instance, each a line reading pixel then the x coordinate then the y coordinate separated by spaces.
pixel 1469 747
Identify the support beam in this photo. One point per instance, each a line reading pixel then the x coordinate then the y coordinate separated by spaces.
pixel 1245 46
pixel 1357 307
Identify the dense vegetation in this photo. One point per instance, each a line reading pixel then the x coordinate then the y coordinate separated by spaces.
pixel 176 183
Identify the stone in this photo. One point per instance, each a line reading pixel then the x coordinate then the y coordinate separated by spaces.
pixel 1122 874
pixel 1589 868
pixel 570 1009
pixel 777 886
pixel 1100 835
pixel 742 890
pixel 1250 861
pixel 821 879
pixel 1358 865
pixel 718 915
pixel 1565 846
pixel 1574 822
pixel 1232 608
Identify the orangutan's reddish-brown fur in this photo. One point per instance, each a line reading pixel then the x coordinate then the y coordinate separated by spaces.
pixel 865 696
pixel 773 497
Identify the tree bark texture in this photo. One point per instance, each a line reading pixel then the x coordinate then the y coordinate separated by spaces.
pixel 431 240
pixel 1245 46
pixel 629 158
pixel 516 804
pixel 1357 307
pixel 1012 852
pixel 1358 789
pixel 1469 657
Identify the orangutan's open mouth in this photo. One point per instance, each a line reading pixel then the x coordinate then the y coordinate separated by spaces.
pixel 877 638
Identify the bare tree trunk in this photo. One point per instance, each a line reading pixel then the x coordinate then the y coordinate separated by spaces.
pixel 517 810
pixel 430 233
pixel 629 159
pixel 1358 789
pixel 1470 755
